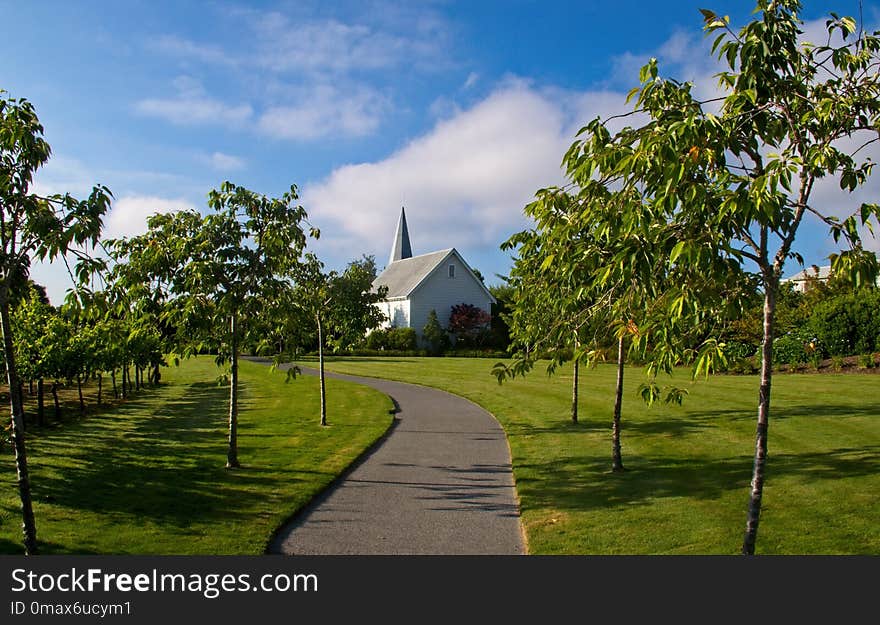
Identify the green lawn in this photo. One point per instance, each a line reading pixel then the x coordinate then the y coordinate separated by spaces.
pixel 148 476
pixel 689 467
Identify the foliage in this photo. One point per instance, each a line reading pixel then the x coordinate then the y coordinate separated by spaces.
pixel 468 323
pixel 217 271
pixel 499 328
pixel 848 324
pixel 394 339
pixel 402 339
pixel 795 348
pixel 34 227
pixel 434 335
pixel 866 361
pixel 735 350
pixel 730 181
pixel 163 449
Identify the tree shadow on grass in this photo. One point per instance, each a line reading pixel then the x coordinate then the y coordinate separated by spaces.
pixel 167 466
pixel 816 409
pixel 586 483
pixel 10 547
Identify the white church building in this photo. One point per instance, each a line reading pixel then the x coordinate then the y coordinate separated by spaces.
pixel 419 284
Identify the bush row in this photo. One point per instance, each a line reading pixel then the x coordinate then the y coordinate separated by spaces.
pixel 847 324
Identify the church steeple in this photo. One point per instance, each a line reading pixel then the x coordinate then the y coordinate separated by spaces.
pixel 401 249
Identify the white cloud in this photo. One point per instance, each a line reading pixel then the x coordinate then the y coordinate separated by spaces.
pixel 225 162
pixel 128 215
pixel 184 48
pixel 193 106
pixel 325 111
pixel 464 183
pixel 471 80
pixel 329 45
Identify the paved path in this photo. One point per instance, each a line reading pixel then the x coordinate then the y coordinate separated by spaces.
pixel 439 483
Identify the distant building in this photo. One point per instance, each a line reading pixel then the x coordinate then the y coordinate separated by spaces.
pixel 803 280
pixel 419 284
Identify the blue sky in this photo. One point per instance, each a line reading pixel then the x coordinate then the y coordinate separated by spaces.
pixel 457 110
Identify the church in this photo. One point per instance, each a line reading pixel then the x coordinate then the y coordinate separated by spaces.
pixel 419 284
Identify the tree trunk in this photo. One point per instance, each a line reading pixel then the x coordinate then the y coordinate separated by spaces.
pixel 79 390
pixel 232 452
pixel 31 386
pixel 616 457
pixel 126 381
pixel 28 525
pixel 757 487
pixel 21 403
pixel 100 386
pixel 41 405
pixel 113 378
pixel 55 400
pixel 321 371
pixel 574 393
pixel 156 374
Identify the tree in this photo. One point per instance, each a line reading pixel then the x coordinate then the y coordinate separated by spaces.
pixel 467 322
pixel 343 303
pixel 579 284
pixel 219 269
pixel 548 310
pixel 353 310
pixel 30 316
pixel 33 227
pixel 435 335
pixel 312 296
pixel 732 185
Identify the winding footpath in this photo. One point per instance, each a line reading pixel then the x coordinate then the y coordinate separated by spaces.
pixel 440 482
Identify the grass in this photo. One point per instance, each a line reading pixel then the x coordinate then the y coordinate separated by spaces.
pixel 686 486
pixel 147 476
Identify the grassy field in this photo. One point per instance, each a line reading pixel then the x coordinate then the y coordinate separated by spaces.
pixel 689 467
pixel 148 476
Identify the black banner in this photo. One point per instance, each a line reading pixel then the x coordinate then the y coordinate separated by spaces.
pixel 236 589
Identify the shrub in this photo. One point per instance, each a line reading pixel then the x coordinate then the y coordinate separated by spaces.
pixel 735 350
pixel 837 363
pixel 746 366
pixel 795 348
pixel 848 324
pixel 377 339
pixel 402 339
pixel 434 335
pixel 866 361
pixel 469 324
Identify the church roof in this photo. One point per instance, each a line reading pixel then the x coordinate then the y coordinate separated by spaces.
pixel 403 276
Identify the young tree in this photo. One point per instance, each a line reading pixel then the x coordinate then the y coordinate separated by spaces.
pixel 30 316
pixel 435 335
pixel 219 269
pixel 734 185
pixel 343 304
pixel 548 310
pixel 33 227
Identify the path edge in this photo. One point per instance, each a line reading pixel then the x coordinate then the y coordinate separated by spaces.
pixel 522 527
pixel 354 464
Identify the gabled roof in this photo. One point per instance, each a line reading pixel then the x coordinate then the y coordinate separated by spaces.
pixel 404 276
pixel 815 272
